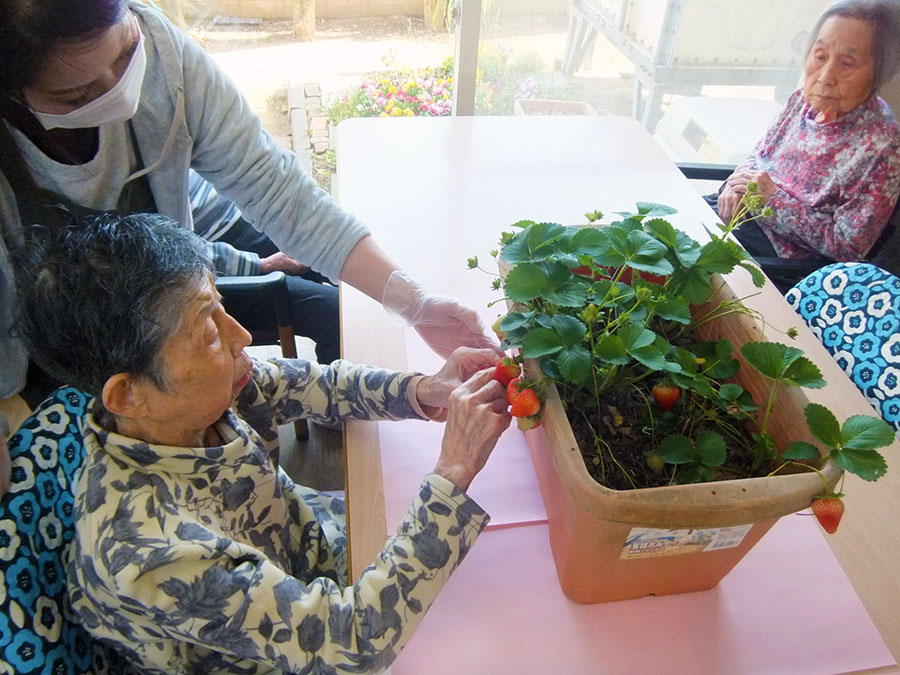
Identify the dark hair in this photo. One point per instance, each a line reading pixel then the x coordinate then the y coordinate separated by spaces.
pixel 30 29
pixel 884 18
pixel 102 295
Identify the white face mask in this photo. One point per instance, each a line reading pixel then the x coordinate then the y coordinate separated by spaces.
pixel 117 105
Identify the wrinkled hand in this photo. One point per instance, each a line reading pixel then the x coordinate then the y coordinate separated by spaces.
pixel 478 415
pixel 736 187
pixel 444 323
pixel 279 262
pixel 434 391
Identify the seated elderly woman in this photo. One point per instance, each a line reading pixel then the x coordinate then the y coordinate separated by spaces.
pixel 829 165
pixel 193 551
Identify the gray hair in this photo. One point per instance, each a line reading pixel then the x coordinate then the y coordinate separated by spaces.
pixel 102 296
pixel 884 18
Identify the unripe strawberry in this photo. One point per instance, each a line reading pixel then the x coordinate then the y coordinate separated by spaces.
pixel 496 328
pixel 656 462
pixel 528 423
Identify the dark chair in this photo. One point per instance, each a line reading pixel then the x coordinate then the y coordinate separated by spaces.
pixel 268 296
pixel 785 272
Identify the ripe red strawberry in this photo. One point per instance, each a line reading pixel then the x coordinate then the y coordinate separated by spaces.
pixel 528 423
pixel 506 371
pixel 828 510
pixel 666 394
pixel 512 390
pixel 527 404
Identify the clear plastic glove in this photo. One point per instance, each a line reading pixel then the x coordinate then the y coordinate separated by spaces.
pixel 478 415
pixel 444 323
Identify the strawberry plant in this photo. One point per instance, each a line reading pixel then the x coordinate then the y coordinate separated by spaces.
pixel 611 315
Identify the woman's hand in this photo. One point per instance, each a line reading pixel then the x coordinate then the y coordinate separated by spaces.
pixel 736 187
pixel 478 415
pixel 279 262
pixel 434 391
pixel 444 323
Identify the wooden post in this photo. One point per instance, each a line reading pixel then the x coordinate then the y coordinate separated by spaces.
pixel 304 17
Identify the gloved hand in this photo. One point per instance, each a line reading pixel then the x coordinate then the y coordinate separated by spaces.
pixel 444 323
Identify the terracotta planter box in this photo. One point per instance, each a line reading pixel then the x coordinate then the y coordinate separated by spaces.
pixel 621 544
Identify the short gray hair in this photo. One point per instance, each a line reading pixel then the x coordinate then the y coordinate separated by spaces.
pixel 884 18
pixel 102 296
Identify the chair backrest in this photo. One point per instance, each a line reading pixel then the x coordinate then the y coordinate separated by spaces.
pixel 38 632
pixel 886 252
pixel 854 310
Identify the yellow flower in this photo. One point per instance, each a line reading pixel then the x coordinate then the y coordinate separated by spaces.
pixel 392 89
pixel 396 112
pixel 409 112
pixel 389 105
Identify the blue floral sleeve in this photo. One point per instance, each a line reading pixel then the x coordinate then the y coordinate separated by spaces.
pixel 283 390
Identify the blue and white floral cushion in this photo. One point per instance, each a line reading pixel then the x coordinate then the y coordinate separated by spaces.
pixel 38 634
pixel 854 310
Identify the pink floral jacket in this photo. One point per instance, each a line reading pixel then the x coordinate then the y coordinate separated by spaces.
pixel 837 182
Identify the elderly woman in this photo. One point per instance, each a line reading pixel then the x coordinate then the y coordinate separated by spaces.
pixel 829 165
pixel 193 551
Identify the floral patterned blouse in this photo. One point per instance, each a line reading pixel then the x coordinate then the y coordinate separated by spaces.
pixel 211 560
pixel 837 182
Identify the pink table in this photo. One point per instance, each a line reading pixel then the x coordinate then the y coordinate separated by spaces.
pixel 436 191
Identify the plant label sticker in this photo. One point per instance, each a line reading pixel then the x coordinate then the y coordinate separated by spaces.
pixel 648 542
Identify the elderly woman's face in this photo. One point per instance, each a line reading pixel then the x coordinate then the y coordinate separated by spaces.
pixel 204 367
pixel 840 70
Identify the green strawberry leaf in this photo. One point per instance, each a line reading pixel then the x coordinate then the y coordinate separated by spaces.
pixel 756 274
pixel 611 349
pixel 677 449
pixel 663 230
pixel 575 364
pixel 694 284
pixel 687 250
pixel 654 210
pixel 571 331
pixel 770 358
pixel 800 450
pixel 540 342
pixel 711 448
pixel 730 392
pixel 867 464
pixel 804 373
pixel 651 357
pixel 569 294
pixel 673 310
pixel 717 257
pixel 824 425
pixel 515 320
pixel 635 336
pixel 865 432
pixel 526 281
pixel 588 241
